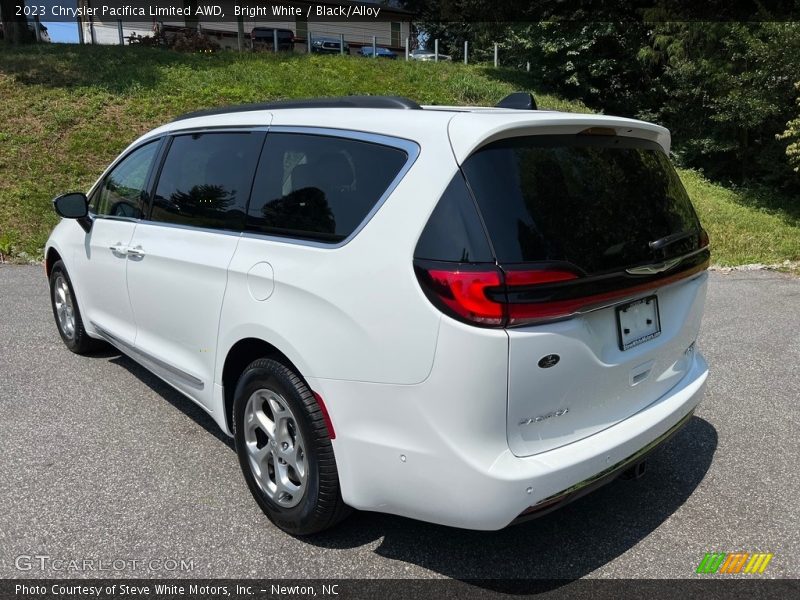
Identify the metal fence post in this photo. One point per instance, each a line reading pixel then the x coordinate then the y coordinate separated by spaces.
pixel 81 41
pixel 274 40
pixel 436 50
pixel 308 41
pixel 406 49
pixel 374 47
pixel 341 44
pixel 119 31
pixel 496 61
pixel 240 32
pixel 466 49
pixel 528 66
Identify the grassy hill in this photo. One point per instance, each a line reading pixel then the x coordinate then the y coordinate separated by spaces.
pixel 67 111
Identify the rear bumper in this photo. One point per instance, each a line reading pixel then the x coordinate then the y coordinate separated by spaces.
pixel 400 454
pixel 600 479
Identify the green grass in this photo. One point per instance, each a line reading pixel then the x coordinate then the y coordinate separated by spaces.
pixel 66 111
pixel 745 226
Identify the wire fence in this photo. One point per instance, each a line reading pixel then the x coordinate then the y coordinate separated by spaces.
pixel 273 39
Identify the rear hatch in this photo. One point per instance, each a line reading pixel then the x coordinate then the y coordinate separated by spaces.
pixel 598 277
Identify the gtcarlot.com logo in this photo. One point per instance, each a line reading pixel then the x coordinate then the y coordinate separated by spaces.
pixel 44 562
pixel 734 562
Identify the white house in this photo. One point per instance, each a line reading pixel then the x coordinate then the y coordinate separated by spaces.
pixel 390 29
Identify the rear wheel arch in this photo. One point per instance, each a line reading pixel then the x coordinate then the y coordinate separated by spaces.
pixel 240 355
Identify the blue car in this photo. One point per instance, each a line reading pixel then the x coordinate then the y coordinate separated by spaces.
pixel 379 52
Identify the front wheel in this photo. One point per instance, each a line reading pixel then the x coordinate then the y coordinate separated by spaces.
pixel 284 449
pixel 67 314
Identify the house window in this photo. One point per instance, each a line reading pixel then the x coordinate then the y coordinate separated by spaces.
pixel 302 27
pixel 396 29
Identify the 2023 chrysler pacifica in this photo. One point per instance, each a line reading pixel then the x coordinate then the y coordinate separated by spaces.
pixel 461 315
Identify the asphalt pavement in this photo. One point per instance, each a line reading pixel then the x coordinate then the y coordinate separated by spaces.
pixel 99 460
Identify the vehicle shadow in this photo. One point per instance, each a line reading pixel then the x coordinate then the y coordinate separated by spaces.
pixel 560 547
pixel 174 397
pixel 531 557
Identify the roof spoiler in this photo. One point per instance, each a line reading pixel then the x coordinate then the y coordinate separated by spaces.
pixel 518 100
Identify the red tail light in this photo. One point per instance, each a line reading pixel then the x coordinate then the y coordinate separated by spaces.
pixel 488 296
pixel 464 293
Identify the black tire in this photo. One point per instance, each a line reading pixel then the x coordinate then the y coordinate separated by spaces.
pixel 78 341
pixel 321 505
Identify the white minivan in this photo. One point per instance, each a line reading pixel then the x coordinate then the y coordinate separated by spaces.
pixel 468 316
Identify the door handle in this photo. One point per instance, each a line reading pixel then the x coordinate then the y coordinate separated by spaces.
pixel 135 251
pixel 118 249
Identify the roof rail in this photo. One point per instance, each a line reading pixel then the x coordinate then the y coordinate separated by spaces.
pixel 520 100
pixel 397 102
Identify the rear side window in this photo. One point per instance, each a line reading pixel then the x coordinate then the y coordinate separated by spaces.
pixel 454 232
pixel 598 202
pixel 319 187
pixel 206 179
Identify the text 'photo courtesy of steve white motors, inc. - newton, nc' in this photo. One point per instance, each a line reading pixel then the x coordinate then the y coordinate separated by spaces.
pixel 66 10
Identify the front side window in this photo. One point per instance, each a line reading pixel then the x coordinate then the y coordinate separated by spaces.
pixel 319 187
pixel 122 193
pixel 206 179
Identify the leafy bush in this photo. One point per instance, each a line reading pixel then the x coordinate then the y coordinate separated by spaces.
pixel 792 134
pixel 185 40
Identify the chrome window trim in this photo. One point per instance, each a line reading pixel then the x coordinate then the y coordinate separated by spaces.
pixel 410 147
pixel 231 232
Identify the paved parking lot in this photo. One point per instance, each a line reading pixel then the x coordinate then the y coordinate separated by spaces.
pixel 100 460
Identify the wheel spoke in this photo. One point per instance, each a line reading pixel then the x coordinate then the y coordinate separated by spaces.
pixel 277 454
pixel 264 423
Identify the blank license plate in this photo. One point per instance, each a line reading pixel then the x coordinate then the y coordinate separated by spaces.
pixel 638 322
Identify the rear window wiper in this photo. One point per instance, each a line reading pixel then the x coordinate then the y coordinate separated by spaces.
pixel 671 239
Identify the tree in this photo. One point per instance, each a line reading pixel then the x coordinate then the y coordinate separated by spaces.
pixel 726 91
pixel 15 28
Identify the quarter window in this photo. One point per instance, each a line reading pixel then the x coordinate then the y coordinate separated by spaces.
pixel 319 187
pixel 122 193
pixel 206 179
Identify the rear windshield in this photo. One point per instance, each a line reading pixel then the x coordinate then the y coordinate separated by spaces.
pixel 595 201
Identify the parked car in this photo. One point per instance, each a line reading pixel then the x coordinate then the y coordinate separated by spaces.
pixel 426 55
pixel 465 316
pixel 379 52
pixel 328 45
pixel 264 37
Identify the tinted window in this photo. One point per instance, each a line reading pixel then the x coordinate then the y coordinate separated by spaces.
pixel 319 187
pixel 595 201
pixel 206 179
pixel 122 193
pixel 454 231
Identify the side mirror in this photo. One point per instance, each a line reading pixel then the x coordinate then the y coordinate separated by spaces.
pixel 74 205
